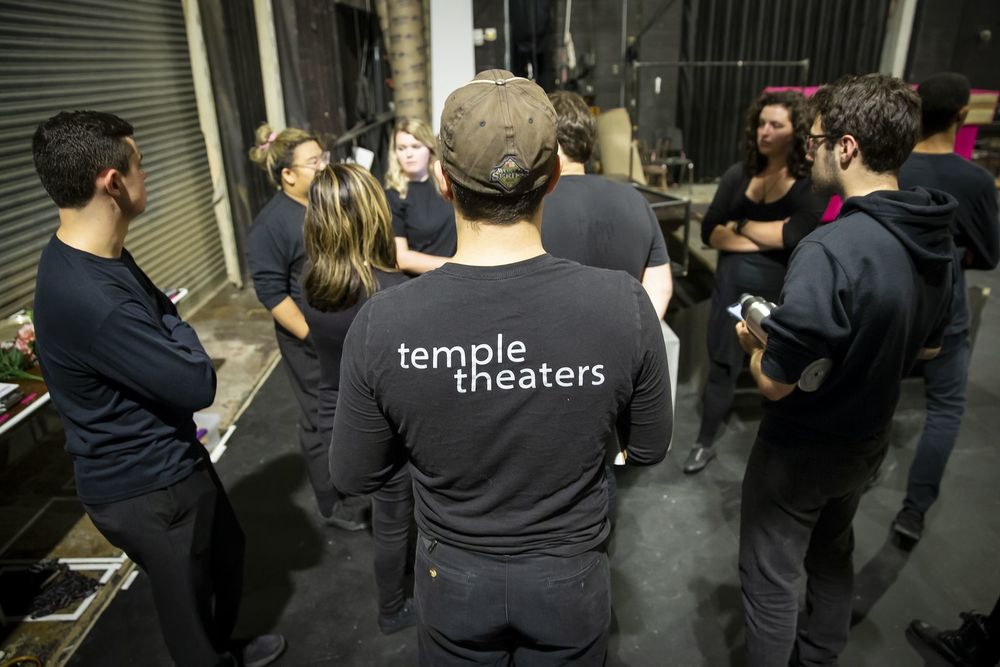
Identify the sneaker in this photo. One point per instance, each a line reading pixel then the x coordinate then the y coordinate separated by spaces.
pixel 262 650
pixel 346 517
pixel 909 525
pixel 406 617
pixel 698 458
pixel 968 646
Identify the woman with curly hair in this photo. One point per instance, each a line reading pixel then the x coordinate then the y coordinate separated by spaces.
pixel 351 254
pixel 422 221
pixel 764 206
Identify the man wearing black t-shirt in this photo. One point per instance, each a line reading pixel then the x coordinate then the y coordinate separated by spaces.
pixel 868 293
pixel 503 376
pixel 126 374
pixel 599 222
pixel 933 163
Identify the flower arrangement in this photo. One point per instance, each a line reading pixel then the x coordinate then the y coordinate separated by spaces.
pixel 18 355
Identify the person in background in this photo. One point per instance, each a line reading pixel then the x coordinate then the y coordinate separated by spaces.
pixel 423 222
pixel 351 254
pixel 276 253
pixel 126 375
pixel 934 164
pixel 502 377
pixel 764 206
pixel 599 222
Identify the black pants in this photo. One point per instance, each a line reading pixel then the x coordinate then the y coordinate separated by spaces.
pixel 944 386
pixel 797 509
pixel 528 610
pixel 392 514
pixel 302 366
pixel 187 540
pixel 737 273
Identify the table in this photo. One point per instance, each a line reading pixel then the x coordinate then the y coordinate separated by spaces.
pixel 36 394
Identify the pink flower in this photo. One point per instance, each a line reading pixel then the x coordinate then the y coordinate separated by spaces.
pixel 27 333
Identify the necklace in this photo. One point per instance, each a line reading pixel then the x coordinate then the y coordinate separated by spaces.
pixel 768 183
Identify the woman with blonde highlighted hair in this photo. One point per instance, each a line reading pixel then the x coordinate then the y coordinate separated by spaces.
pixel 351 255
pixel 291 159
pixel 422 221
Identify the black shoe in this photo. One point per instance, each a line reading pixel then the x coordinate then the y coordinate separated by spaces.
pixel 698 458
pixel 262 650
pixel 968 646
pixel 406 617
pixel 346 517
pixel 909 525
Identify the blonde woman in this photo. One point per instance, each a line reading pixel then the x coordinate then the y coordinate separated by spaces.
pixel 351 255
pixel 423 222
pixel 275 252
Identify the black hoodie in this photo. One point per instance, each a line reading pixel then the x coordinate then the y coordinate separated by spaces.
pixel 866 291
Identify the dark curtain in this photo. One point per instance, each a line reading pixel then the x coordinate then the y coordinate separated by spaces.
pixel 837 36
pixel 231 41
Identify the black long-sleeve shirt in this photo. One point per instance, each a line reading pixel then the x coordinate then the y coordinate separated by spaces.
pixel 276 252
pixel 503 386
pixel 123 370
pixel 800 205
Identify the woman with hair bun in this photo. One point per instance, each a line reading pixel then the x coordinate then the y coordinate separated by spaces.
pixel 275 253
pixel 351 255
pixel 423 222
pixel 764 206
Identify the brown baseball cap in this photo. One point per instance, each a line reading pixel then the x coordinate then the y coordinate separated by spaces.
pixel 498 135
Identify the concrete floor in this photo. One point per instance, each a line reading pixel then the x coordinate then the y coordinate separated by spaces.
pixel 675 584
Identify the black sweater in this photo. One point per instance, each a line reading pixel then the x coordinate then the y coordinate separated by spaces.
pixel 124 372
pixel 866 291
pixel 503 386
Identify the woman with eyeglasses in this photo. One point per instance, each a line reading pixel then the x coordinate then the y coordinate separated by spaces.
pixel 351 255
pixel 764 206
pixel 422 221
pixel 276 253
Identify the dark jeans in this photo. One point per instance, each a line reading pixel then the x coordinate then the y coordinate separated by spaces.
pixel 392 514
pixel 528 610
pixel 187 540
pixel 945 378
pixel 797 508
pixel 302 366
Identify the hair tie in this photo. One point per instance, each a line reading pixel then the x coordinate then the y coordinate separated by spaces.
pixel 270 140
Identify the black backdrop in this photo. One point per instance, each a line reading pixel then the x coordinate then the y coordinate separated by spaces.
pixel 837 36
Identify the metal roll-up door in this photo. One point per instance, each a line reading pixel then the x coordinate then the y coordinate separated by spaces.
pixel 127 58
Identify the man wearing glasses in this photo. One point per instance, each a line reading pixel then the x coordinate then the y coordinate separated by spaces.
pixel 869 292
pixel 276 254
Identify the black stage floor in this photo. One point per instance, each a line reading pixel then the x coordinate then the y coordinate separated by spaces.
pixel 675 584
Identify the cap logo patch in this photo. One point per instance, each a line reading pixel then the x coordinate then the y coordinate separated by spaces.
pixel 509 173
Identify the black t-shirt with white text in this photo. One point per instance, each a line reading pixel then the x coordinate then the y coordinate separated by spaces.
pixel 504 387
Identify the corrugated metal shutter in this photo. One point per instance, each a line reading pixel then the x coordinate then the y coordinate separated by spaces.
pixel 130 59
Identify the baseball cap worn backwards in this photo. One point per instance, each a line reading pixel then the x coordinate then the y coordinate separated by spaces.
pixel 498 135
